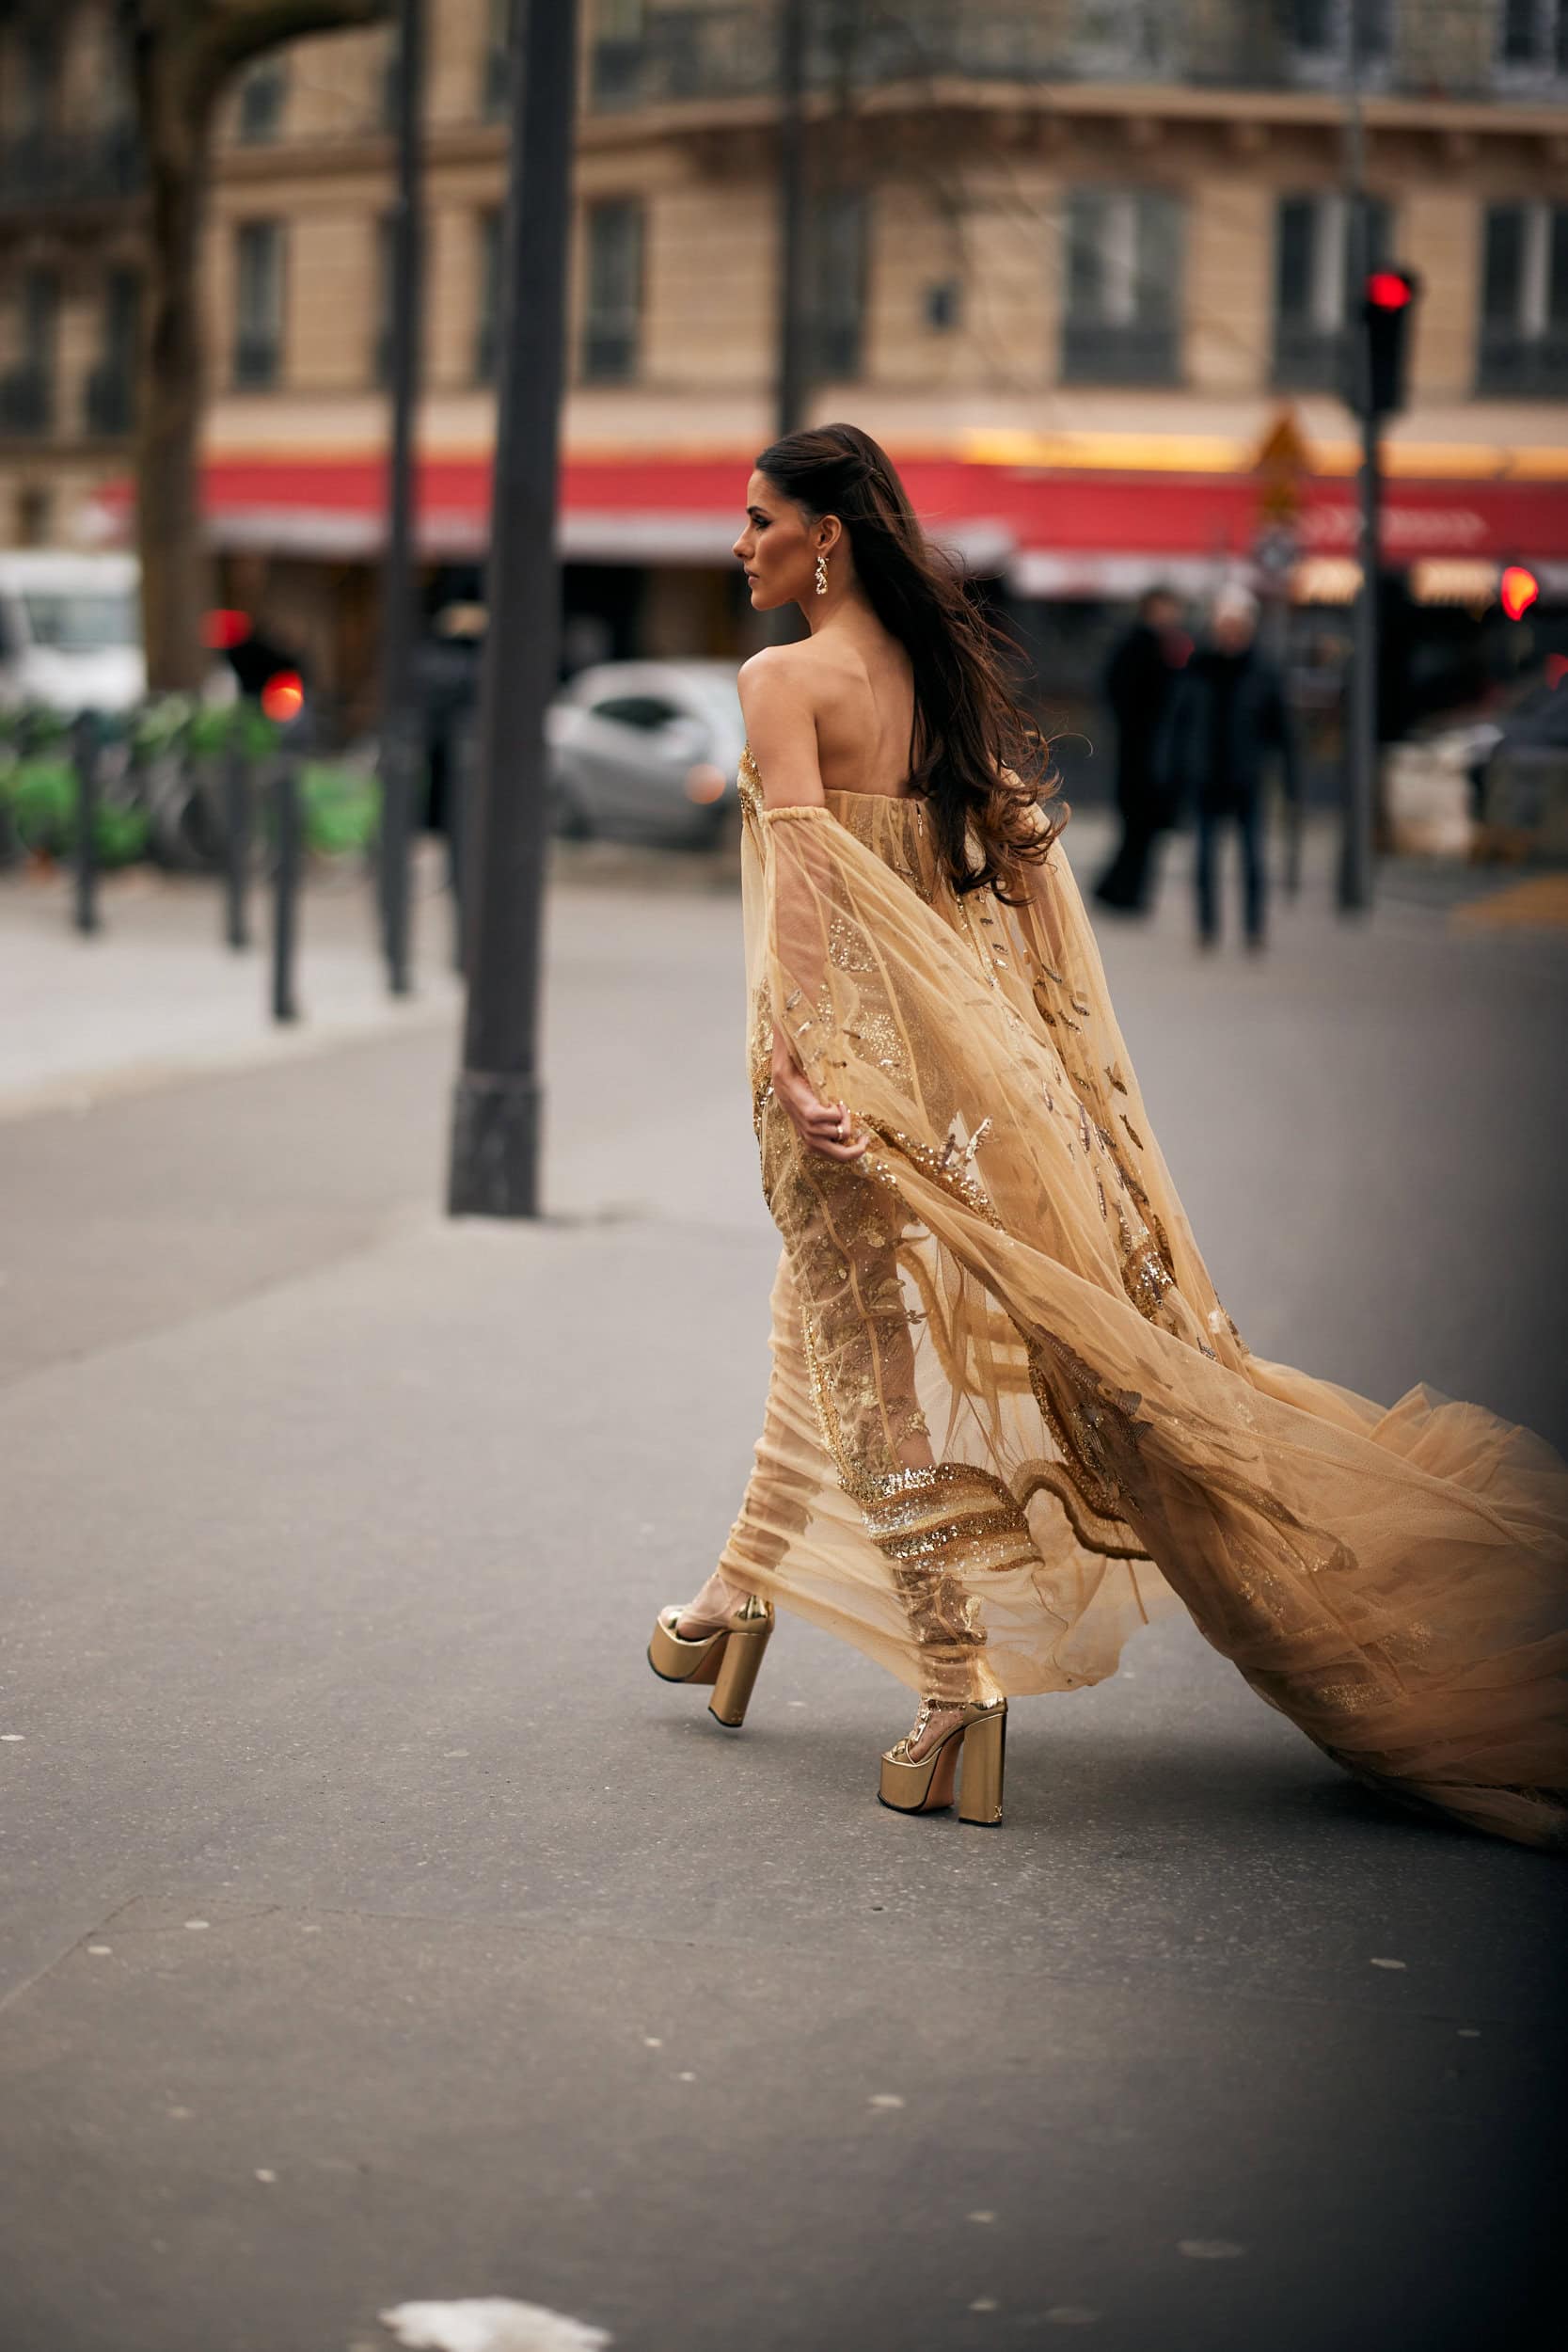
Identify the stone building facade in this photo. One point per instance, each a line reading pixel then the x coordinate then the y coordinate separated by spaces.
pixel 1068 261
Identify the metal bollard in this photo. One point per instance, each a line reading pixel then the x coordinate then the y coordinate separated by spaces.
pixel 460 781
pixel 285 905
pixel 400 750
pixel 86 750
pixel 236 842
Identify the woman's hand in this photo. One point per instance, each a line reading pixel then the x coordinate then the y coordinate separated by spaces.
pixel 824 1127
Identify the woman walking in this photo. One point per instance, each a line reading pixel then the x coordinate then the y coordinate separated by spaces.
pixel 1009 1420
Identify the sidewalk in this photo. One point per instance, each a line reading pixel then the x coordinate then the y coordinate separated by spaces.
pixel 157 992
pixel 377 1929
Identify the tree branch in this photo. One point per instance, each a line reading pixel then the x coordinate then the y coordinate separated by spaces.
pixel 238 30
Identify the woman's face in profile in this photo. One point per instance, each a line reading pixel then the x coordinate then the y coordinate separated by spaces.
pixel 774 547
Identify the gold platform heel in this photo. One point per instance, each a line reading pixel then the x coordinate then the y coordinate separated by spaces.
pixel 926 1785
pixel 730 1658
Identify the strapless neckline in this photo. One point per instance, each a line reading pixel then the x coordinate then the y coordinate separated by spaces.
pixel 841 791
pixel 859 792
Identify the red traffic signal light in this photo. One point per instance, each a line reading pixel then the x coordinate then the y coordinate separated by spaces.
pixel 1390 290
pixel 1387 308
pixel 224 627
pixel 283 696
pixel 1518 588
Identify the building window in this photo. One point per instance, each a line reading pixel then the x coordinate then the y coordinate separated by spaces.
pixel 1319 34
pixel 497 44
pixel 1121 318
pixel 1117 38
pixel 618 53
pixel 39 80
pixel 263 88
pixel 1312 285
pixel 111 387
pixel 612 325
pixel 1533 42
pixel 257 303
pixel 838 233
pixel 386 84
pixel 487 314
pixel 27 390
pixel 944 305
pixel 1524 301
pixel 35 513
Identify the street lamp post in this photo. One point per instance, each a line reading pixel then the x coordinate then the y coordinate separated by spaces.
pixel 496 1122
pixel 792 329
pixel 400 714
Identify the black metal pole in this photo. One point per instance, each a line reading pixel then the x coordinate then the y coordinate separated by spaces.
pixel 1354 891
pixel 792 370
pixel 495 1123
pixel 236 840
pixel 461 787
pixel 285 905
pixel 1356 863
pixel 400 715
pixel 87 747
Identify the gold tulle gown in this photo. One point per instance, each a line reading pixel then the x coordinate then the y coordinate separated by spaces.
pixel 1009 1420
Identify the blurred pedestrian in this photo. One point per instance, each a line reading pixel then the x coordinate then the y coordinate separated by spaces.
pixel 1226 722
pixel 1138 685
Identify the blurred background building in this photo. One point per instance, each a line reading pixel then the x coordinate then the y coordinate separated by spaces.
pixel 1080 264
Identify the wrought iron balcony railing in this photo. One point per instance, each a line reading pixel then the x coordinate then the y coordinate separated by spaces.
pixel 1524 367
pixel 695 52
pixel 1307 358
pixel 258 360
pixel 55 170
pixel 1098 351
pixel 109 400
pixel 607 352
pixel 27 401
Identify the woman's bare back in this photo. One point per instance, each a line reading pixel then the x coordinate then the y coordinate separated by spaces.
pixel 861 687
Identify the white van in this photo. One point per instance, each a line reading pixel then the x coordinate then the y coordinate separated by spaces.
pixel 70 630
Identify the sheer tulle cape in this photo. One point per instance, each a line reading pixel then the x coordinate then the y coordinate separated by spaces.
pixel 1010 1419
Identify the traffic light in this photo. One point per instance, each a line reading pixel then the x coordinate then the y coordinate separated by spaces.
pixel 283 696
pixel 1518 588
pixel 1388 304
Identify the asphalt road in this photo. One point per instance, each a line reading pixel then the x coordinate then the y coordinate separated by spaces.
pixel 376 1928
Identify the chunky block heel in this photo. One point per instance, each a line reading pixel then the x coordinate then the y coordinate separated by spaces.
pixel 971 1755
pixel 730 1658
pixel 985 1749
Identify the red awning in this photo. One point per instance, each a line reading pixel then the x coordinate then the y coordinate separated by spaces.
pixel 1053 531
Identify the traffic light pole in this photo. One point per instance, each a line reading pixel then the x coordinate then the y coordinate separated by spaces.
pixel 399 716
pixel 496 1122
pixel 1357 861
pixel 1355 846
pixel 791 378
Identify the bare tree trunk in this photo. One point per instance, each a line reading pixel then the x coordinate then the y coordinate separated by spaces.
pixel 184 52
pixel 177 120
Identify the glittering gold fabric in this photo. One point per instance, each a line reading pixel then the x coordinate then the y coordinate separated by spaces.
pixel 1009 1420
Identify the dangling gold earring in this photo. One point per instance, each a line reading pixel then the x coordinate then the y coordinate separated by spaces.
pixel 821 575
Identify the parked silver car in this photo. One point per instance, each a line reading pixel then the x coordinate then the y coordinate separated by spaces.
pixel 647 751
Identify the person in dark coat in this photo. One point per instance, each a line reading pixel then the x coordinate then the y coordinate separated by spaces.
pixel 1138 684
pixel 1226 721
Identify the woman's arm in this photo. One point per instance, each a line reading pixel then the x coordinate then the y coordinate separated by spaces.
pixel 780 727
pixel 780 712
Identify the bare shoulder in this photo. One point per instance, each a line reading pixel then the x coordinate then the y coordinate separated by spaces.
pixel 778 705
pixel 778 668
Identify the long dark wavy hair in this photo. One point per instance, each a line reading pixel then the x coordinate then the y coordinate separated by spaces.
pixel 977 757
